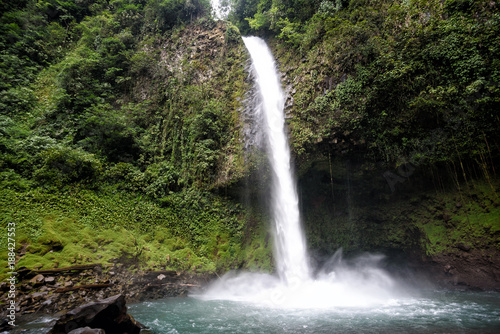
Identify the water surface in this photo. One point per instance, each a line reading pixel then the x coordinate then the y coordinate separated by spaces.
pixel 432 312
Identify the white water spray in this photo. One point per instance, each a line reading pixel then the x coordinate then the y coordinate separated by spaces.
pixel 362 283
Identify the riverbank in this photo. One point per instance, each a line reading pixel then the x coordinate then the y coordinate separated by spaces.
pixel 53 292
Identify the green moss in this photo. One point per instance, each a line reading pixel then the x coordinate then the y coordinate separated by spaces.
pixel 437 238
pixel 475 223
pixel 61 229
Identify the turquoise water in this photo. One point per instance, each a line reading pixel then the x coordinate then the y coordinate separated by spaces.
pixel 432 312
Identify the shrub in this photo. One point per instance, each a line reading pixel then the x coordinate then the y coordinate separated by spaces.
pixel 63 166
pixel 162 178
pixel 101 131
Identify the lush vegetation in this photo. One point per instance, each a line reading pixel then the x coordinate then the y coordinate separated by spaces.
pixel 411 81
pixel 195 232
pixel 390 91
pixel 119 135
pixel 120 125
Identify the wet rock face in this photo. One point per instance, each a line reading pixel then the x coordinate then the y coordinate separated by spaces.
pixel 467 269
pixel 449 235
pixel 106 316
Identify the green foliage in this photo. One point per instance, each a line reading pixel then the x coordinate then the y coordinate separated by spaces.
pixel 64 11
pixel 289 31
pixel 232 33
pixel 163 179
pixel 330 8
pixel 11 138
pixel 162 15
pixel 92 75
pixel 475 225
pixel 91 159
pixel 205 133
pixel 102 131
pixel 62 166
pixel 240 10
pixel 285 18
pixel 190 231
pixel 120 119
pixel 259 21
pixel 396 78
pixel 458 7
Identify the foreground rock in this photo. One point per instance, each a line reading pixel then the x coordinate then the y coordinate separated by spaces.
pixel 106 316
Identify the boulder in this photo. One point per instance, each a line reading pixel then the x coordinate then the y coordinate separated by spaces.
pixel 109 314
pixel 464 247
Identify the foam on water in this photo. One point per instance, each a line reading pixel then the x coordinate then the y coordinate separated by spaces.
pixel 360 283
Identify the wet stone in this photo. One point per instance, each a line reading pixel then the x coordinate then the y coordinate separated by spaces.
pixel 463 247
pixel 37 279
pixel 38 295
pixel 50 279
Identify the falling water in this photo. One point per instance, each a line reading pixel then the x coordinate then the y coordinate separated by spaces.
pixel 290 244
pixel 359 283
pixel 220 9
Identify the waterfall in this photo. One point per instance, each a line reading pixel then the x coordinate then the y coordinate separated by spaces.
pixel 360 283
pixel 291 258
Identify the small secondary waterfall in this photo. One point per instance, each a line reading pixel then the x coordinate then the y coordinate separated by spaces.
pixel 220 8
pixel 360 283
pixel 289 239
